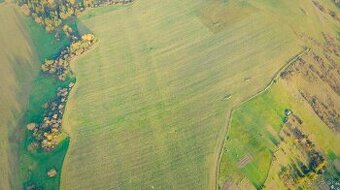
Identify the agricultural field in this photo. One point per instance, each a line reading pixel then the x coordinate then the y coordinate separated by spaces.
pixel 194 94
pixel 151 102
pixel 19 66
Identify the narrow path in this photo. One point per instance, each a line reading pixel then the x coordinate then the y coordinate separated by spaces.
pixel 272 81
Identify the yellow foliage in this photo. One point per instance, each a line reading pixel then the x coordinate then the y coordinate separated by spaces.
pixel 321 165
pixel 49 62
pixel 75 46
pixel 302 180
pixel 49 29
pixel 88 3
pixel 52 172
pixel 51 4
pixel 38 20
pixel 313 175
pixel 72 1
pixel 31 126
pixel 25 9
pixel 87 37
pixel 49 137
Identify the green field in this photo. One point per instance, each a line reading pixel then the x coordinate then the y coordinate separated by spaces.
pixel 151 103
pixel 250 134
pixel 254 130
pixel 19 66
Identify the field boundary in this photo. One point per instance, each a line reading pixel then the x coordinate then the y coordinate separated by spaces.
pixel 272 81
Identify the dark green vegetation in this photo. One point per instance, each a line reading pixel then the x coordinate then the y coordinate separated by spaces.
pixel 39 163
pixel 46 45
pixel 45 145
pixel 34 165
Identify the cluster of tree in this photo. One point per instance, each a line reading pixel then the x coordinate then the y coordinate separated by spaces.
pixel 69 32
pixel 317 162
pixel 299 173
pixel 47 132
pixel 52 13
pixel 331 13
pixel 61 66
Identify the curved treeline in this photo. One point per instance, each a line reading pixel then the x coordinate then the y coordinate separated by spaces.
pixel 47 133
pixel 45 138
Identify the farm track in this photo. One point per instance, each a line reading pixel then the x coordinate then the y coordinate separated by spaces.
pixel 272 81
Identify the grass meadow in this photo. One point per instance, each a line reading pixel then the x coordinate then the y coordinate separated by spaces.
pixel 253 131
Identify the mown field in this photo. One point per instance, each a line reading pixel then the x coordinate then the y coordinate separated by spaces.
pixel 151 103
pixel 18 67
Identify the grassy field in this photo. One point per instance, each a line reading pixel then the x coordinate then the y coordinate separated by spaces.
pixel 151 102
pixel 19 66
pixel 255 125
pixel 46 45
pixel 251 133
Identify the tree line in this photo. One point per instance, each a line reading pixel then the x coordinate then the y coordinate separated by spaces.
pixel 51 14
pixel 47 132
pixel 61 66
